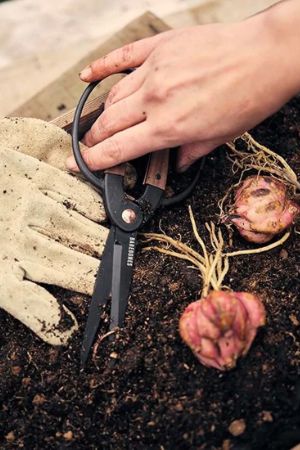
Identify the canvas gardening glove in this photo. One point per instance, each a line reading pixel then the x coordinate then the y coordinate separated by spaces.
pixel 48 228
pixel 36 138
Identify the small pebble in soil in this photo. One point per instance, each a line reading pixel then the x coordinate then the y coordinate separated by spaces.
pixel 178 407
pixel 294 320
pixel 151 424
pixel 10 437
pixel 39 399
pixel 26 381
pixel 283 254
pixel 266 416
pixel 15 370
pixel 237 427
pixel 68 435
pixel 13 356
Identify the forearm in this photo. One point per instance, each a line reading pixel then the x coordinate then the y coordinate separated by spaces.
pixel 281 22
pixel 196 88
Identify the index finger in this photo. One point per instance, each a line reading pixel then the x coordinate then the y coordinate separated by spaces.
pixel 129 56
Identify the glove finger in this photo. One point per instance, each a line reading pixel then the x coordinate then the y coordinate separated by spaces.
pixel 61 186
pixel 52 263
pixel 70 191
pixel 36 308
pixel 68 227
pixel 36 138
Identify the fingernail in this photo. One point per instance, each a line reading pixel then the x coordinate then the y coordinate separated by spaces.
pixel 71 163
pixel 86 73
pixel 183 168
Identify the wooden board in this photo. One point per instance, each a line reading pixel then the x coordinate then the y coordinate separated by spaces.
pixel 63 94
pixel 92 109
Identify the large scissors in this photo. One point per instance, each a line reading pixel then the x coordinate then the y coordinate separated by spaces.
pixel 127 216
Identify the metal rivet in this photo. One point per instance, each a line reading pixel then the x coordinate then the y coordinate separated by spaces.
pixel 129 216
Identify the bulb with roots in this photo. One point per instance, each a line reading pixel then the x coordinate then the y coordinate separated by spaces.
pixel 221 327
pixel 262 209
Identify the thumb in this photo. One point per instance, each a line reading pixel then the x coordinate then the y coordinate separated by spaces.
pixel 189 153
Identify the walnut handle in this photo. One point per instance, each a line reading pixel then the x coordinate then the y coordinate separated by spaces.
pixel 157 169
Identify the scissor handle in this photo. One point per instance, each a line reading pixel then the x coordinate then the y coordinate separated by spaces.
pixel 89 175
pixel 188 190
pixel 158 163
pixel 157 169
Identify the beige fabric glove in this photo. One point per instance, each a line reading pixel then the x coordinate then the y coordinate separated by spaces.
pixel 48 229
pixel 46 142
pixel 36 138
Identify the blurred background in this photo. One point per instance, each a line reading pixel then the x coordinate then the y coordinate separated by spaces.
pixel 39 40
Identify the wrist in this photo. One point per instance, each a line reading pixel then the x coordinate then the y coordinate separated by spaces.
pixel 279 27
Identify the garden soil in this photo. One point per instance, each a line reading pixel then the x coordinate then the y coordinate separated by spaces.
pixel 144 389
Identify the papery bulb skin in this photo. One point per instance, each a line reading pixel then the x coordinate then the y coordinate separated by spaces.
pixel 262 209
pixel 222 326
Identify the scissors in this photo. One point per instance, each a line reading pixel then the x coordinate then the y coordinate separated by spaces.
pixel 127 216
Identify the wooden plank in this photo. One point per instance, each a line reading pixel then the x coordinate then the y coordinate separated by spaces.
pixel 92 109
pixel 63 94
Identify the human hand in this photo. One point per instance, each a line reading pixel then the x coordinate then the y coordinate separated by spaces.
pixel 197 87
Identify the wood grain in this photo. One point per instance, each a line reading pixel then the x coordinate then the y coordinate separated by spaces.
pixel 157 170
pixel 92 109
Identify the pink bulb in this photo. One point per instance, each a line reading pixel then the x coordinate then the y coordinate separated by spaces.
pixel 262 209
pixel 221 327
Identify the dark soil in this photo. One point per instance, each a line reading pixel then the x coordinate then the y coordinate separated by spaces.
pixel 145 389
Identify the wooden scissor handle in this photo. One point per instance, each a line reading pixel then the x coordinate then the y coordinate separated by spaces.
pixel 157 169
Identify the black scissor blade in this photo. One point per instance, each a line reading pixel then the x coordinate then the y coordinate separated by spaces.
pixel 102 290
pixel 123 259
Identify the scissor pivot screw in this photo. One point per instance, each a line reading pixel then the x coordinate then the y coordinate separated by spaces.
pixel 129 216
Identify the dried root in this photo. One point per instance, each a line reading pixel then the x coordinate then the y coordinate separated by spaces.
pixel 221 326
pixel 262 159
pixel 213 266
pixel 98 342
